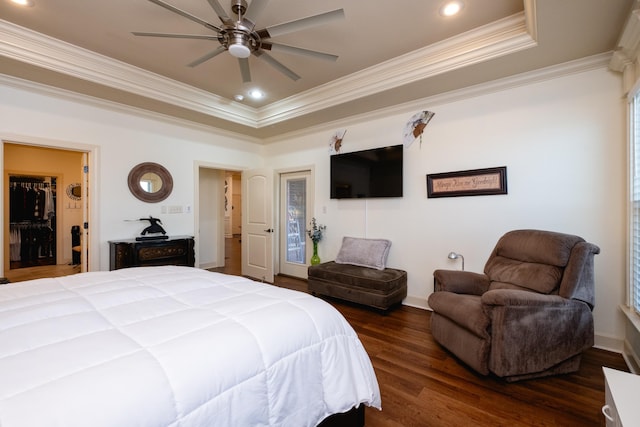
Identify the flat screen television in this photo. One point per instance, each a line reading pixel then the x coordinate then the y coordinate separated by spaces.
pixel 367 174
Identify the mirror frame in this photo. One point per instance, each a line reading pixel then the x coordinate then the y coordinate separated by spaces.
pixel 149 167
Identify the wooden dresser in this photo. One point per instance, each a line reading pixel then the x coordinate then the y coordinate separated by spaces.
pixel 176 250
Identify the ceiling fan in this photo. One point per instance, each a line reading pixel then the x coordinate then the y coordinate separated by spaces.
pixel 240 38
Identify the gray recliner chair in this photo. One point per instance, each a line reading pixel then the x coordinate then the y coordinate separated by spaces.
pixel 529 315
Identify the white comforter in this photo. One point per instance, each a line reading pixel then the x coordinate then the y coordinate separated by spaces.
pixel 174 346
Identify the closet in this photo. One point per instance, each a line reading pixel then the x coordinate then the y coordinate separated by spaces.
pixel 32 221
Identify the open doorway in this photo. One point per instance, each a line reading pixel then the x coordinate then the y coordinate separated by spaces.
pixel 219 220
pixel 233 222
pixel 43 208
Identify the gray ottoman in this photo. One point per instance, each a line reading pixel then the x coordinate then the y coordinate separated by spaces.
pixel 380 289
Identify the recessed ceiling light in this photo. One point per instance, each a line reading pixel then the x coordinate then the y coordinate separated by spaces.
pixel 238 97
pixel 451 8
pixel 28 3
pixel 256 93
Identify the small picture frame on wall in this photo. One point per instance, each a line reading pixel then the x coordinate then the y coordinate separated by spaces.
pixel 474 182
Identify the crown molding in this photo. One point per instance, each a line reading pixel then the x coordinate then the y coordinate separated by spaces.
pixel 625 57
pixel 628 44
pixel 75 97
pixel 499 38
pixel 582 65
pixel 38 49
pixel 502 37
pixel 599 61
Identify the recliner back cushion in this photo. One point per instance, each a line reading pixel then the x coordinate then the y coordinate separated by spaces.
pixel 531 259
pixel 537 277
pixel 544 247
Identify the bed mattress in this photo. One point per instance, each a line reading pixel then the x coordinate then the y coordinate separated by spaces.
pixel 174 346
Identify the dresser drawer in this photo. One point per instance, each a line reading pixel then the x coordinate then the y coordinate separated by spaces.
pixel 133 253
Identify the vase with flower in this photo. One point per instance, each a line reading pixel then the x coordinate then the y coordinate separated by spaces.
pixel 315 234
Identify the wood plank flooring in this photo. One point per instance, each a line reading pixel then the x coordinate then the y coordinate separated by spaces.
pixel 29 273
pixel 422 385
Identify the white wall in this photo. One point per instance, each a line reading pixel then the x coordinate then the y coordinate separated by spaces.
pixel 563 142
pixel 119 140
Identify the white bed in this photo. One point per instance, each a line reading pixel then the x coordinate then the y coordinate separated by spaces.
pixel 174 346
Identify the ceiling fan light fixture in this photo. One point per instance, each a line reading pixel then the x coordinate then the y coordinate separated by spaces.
pixel 239 50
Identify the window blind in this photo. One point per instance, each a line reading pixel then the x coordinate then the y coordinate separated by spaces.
pixel 635 196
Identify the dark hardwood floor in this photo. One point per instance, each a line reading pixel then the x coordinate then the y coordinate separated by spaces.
pixel 424 385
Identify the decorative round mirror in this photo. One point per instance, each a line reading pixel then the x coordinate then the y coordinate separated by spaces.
pixel 150 182
pixel 74 191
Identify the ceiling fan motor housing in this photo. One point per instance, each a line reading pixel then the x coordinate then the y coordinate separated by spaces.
pixel 238 39
pixel 238 6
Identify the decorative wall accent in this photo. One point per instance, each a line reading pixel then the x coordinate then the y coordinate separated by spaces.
pixel 415 126
pixel 475 182
pixel 336 141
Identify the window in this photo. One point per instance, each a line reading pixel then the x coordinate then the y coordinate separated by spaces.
pixel 296 208
pixel 296 204
pixel 635 202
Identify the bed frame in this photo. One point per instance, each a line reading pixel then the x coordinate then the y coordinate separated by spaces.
pixel 352 418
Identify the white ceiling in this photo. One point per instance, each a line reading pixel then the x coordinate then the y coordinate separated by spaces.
pixel 389 53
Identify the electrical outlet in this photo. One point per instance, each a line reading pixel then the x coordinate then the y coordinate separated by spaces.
pixel 187 209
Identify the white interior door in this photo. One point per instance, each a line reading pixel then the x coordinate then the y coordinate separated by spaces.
pixel 295 209
pixel 257 224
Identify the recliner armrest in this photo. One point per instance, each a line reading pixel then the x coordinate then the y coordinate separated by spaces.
pixel 460 282
pixel 514 297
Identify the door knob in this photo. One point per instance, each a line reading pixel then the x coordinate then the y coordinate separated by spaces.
pixel 269 230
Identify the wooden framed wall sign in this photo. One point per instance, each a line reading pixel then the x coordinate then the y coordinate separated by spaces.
pixel 475 182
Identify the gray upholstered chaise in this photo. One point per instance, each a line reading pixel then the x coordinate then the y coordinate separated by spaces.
pixel 359 275
pixel 530 313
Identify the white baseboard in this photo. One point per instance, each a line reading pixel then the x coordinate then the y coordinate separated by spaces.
pixel 416 302
pixel 632 359
pixel 609 343
pixel 208 265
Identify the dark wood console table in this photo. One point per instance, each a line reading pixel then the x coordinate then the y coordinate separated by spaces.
pixel 176 250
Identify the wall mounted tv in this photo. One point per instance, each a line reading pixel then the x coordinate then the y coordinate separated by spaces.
pixel 367 174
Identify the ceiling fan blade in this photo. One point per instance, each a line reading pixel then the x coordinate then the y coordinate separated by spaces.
pixel 253 12
pixel 277 47
pixel 301 24
pixel 276 64
pixel 175 36
pixel 208 56
pixel 186 15
pixel 219 10
pixel 244 70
